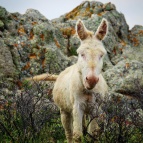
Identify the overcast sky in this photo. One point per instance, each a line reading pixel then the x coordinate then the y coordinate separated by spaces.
pixel 132 9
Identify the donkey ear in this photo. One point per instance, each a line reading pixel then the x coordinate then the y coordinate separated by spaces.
pixel 102 30
pixel 81 30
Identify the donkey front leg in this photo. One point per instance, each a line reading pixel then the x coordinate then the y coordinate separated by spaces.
pixel 66 119
pixel 93 128
pixel 77 123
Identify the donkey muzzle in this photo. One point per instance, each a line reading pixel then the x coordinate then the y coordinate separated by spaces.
pixel 91 82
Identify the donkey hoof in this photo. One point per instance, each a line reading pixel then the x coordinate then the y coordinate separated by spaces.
pixel 77 137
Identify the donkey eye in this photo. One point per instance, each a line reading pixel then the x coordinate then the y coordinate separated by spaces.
pixel 83 55
pixel 100 56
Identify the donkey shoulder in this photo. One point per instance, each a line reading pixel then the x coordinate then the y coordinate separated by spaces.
pixel 67 74
pixel 63 88
pixel 69 79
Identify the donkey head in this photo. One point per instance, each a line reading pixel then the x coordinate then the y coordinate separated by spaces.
pixel 91 53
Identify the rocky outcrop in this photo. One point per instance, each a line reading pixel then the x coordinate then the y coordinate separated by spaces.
pixel 125 77
pixel 7 67
pixel 123 63
pixel 31 44
pixel 92 13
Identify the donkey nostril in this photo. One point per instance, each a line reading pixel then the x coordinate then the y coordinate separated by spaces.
pixel 92 80
pixel 86 78
pixel 97 80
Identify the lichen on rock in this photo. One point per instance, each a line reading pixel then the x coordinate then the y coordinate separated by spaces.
pixel 32 44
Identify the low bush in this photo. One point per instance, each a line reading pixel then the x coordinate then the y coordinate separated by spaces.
pixel 28 115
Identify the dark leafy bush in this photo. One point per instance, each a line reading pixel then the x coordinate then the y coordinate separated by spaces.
pixel 28 115
pixel 121 120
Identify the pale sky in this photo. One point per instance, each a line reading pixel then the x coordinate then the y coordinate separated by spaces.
pixel 132 9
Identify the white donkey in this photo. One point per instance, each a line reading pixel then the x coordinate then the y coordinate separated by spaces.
pixel 69 89
pixel 76 87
